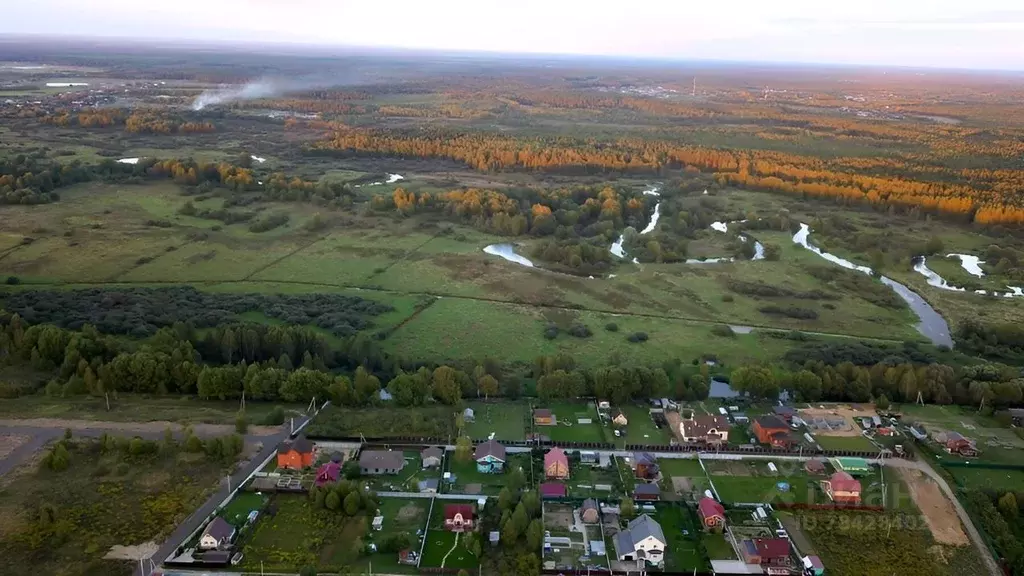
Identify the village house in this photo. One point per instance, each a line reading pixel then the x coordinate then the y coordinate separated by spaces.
pixel 643 539
pixel 431 457
pixel 556 464
pixel 645 466
pixel 842 488
pixel 646 492
pixel 552 490
pixel 706 429
pixel 957 443
pixel 458 517
pixel 815 466
pixel 375 462
pixel 784 412
pixel 543 417
pixel 489 457
pixel 590 512
pixel 772 554
pixel 619 419
pixel 712 514
pixel 771 430
pixel 296 454
pixel 328 473
pixel 218 534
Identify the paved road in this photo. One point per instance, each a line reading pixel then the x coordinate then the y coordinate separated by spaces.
pixel 979 542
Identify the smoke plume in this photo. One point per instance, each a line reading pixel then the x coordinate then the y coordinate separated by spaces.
pixel 273 87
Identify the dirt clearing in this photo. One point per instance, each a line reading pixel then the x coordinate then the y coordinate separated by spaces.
pixel 9 443
pixel 832 414
pixel 938 511
pixel 132 552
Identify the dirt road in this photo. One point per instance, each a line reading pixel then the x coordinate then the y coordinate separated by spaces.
pixel 979 543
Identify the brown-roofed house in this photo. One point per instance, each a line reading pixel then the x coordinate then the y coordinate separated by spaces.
pixel 772 430
pixel 295 454
pixel 768 552
pixel 589 511
pixel 708 429
pixel 543 417
pixel 372 462
pixel 957 443
pixel 815 466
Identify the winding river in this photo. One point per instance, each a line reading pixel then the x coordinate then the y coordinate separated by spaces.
pixel 932 325
pixel 972 264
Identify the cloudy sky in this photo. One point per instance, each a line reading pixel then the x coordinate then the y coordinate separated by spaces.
pixel 940 33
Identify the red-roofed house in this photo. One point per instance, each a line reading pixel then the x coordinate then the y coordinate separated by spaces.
pixel 842 488
pixel 458 517
pixel 552 490
pixel 328 473
pixel 771 553
pixel 556 464
pixel 712 513
pixel 295 454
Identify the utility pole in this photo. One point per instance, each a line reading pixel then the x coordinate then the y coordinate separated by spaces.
pixel 229 483
pixel 694 86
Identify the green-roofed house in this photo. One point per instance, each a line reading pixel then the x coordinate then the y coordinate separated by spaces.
pixel 852 466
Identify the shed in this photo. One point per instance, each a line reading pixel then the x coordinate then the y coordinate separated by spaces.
pixel 813 565
pixel 645 491
pixel 468 415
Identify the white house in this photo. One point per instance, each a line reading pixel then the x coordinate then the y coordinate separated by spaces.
pixel 643 540
pixel 218 534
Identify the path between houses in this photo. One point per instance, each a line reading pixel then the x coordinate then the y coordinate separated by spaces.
pixel 454 546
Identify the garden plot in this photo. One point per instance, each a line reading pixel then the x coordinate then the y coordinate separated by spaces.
pixel 997 443
pixel 566 540
pixel 469 480
pixel 753 481
pixel 576 423
pixel 834 421
pixel 505 420
pixel 444 549
pixel 586 481
pixel 683 532
pixel 407 479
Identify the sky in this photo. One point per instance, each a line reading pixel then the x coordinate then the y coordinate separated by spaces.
pixel 979 34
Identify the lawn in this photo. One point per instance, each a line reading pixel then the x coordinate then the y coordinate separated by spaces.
pixel 845 443
pixel 506 420
pixel 751 481
pixel 718 547
pixel 683 468
pixel 442 547
pixel 101 500
pixel 641 429
pixel 237 511
pixel 683 535
pixel 583 478
pixel 568 428
pixel 423 421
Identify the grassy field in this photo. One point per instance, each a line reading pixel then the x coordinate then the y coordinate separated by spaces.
pixel 718 547
pixel 987 479
pixel 237 511
pixel 506 420
pixel 133 408
pixel 100 501
pixel 997 443
pixel 298 535
pixel 897 543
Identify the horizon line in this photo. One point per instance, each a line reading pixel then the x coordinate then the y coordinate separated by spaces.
pixel 270 47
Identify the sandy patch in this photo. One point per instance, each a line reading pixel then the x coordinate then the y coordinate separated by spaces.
pixel 9 443
pixel 674 423
pixel 845 412
pixel 682 485
pixel 132 552
pixel 409 512
pixel 137 427
pixel 938 511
